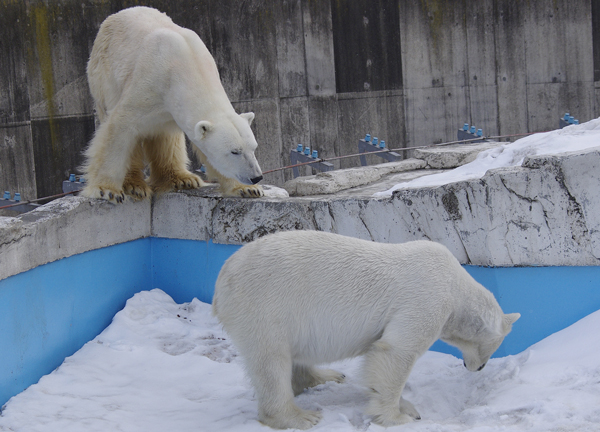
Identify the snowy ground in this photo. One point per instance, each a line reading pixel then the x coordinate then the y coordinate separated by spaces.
pixel 569 139
pixel 162 367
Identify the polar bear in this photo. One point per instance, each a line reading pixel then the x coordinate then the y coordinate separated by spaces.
pixel 152 82
pixel 292 300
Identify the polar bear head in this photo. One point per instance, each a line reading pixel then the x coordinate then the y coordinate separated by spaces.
pixel 479 339
pixel 229 145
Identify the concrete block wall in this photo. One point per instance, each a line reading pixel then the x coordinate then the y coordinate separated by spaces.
pixel 321 73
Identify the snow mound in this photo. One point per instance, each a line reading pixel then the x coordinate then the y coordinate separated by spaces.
pixel 569 139
pixel 162 366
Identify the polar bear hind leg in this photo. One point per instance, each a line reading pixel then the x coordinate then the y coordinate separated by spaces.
pixel 304 377
pixel 227 186
pixel 108 160
pixel 169 163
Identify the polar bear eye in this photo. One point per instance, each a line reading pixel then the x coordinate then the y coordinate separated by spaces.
pixel 236 152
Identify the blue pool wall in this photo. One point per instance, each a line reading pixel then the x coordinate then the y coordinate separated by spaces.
pixel 51 311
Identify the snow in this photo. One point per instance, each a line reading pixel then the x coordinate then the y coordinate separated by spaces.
pixel 161 366
pixel 271 191
pixel 569 139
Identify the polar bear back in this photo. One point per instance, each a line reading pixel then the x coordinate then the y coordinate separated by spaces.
pixel 331 296
pixel 142 37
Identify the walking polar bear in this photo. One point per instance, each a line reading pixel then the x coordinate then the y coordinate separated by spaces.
pixel 152 81
pixel 295 299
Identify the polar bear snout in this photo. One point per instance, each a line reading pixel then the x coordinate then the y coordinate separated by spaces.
pixel 252 176
pixel 478 369
pixel 249 180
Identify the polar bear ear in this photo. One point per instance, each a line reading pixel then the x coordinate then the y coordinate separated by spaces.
pixel 249 116
pixel 508 321
pixel 202 127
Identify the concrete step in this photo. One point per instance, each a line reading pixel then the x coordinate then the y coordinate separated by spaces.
pixel 365 181
pixel 452 156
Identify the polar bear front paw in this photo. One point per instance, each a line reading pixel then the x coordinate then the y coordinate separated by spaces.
pixel 254 191
pixel 187 180
pixel 139 189
pixel 388 420
pixel 113 195
pixel 166 182
pixel 409 409
pixel 388 415
pixel 292 418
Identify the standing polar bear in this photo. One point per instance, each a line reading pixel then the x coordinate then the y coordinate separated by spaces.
pixel 152 81
pixel 295 299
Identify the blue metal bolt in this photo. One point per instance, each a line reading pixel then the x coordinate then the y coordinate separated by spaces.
pixel 571 119
pixel 368 137
pixel 315 154
pixel 479 132
pixel 299 148
pixel 6 195
pixel 306 151
pixel 466 127
pixel 566 117
pixel 382 144
pixel 375 139
pixel 472 129
pixel 575 121
pixel 82 179
pixel 71 177
pixel 17 196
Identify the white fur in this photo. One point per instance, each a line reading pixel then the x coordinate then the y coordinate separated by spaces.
pixel 152 81
pixel 296 299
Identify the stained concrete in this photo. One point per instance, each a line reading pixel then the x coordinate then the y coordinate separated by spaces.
pixel 453 156
pixel 544 213
pixel 334 181
pixel 320 73
pixel 66 227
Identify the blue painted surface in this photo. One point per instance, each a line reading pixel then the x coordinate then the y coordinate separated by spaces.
pixel 548 299
pixel 185 269
pixel 48 313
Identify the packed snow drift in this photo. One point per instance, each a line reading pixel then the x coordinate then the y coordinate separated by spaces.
pixel 569 139
pixel 163 366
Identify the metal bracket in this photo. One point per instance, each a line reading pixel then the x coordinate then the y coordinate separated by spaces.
pixel 303 155
pixel 73 184
pixel 469 134
pixel 366 145
pixel 567 120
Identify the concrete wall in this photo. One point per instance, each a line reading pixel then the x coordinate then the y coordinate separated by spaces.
pixel 543 213
pixel 320 73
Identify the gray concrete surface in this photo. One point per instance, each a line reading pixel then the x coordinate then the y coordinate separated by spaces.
pixel 66 227
pixel 445 157
pixel 334 181
pixel 544 213
pixel 321 73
